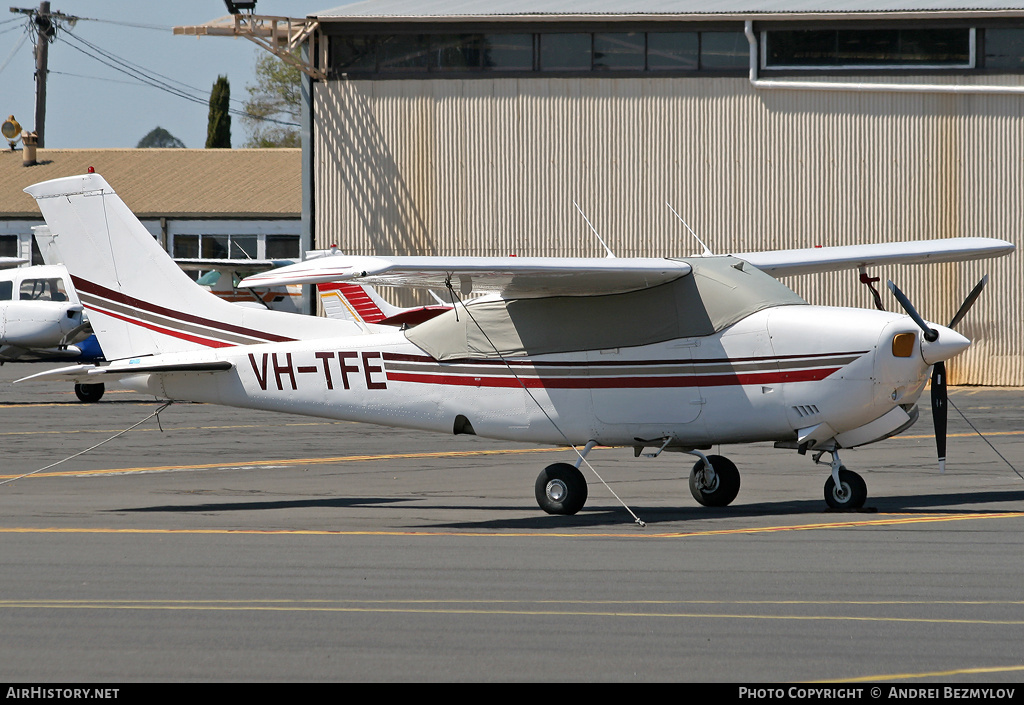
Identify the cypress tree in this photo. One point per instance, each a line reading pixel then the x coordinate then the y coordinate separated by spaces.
pixel 218 130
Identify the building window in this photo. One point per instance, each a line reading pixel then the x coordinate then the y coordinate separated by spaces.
pixel 565 51
pixel 463 55
pixel 9 246
pixel 869 48
pixel 507 52
pixel 355 53
pixel 283 247
pixel 1004 49
pixel 479 54
pixel 673 51
pixel 243 247
pixel 721 51
pixel 455 52
pixel 620 51
pixel 240 247
pixel 406 53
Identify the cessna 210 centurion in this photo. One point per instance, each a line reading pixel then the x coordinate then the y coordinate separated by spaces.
pixel 668 354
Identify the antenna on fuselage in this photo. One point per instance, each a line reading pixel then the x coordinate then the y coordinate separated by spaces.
pixel 594 230
pixel 707 250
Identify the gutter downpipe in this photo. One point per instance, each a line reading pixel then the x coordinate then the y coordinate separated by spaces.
pixel 861 87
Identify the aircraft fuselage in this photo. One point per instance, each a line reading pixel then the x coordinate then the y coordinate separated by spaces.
pixel 770 376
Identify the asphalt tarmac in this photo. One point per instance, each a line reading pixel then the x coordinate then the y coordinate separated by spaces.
pixel 235 546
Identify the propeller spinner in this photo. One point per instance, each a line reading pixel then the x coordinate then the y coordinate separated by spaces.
pixel 939 351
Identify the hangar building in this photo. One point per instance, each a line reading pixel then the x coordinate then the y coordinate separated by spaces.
pixel 463 127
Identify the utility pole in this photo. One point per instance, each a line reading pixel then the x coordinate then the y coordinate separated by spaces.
pixel 45 30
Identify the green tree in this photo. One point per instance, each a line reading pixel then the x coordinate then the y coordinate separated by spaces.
pixel 274 107
pixel 218 129
pixel 159 137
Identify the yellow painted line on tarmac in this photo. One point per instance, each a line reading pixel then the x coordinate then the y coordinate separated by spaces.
pixel 496 608
pixel 288 461
pixel 927 674
pixel 895 520
pixel 960 435
pixel 69 431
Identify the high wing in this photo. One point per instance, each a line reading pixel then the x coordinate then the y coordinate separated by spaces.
pixel 813 260
pixel 230 265
pixel 8 262
pixel 507 276
pixel 545 276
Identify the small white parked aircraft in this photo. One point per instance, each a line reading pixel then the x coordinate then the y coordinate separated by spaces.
pixel 42 320
pixel 221 276
pixel 671 354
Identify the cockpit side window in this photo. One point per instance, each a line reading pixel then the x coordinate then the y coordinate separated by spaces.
pixel 6 291
pixel 43 290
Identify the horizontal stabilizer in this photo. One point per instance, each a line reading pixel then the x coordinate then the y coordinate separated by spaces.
pixel 121 369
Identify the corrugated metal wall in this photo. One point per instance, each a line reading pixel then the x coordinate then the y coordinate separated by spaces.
pixel 492 167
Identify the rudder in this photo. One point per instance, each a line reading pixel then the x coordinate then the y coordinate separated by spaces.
pixel 139 301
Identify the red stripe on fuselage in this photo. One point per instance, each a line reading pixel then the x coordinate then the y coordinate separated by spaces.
pixel 615 382
pixel 506 363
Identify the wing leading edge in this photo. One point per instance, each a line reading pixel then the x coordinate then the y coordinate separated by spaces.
pixel 507 276
pixel 812 260
pixel 548 276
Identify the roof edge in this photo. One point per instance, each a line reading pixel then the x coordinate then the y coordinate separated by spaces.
pixel 688 17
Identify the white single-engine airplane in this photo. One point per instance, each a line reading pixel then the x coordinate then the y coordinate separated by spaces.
pixel 671 354
pixel 42 320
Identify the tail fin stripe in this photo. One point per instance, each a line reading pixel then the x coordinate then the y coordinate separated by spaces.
pixel 156 323
pixel 362 302
pixel 167 331
pixel 140 308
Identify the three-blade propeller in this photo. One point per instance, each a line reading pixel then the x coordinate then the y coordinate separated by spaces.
pixel 939 398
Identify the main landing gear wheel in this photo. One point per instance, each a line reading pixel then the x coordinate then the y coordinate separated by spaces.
pixel 723 487
pixel 561 489
pixel 851 493
pixel 89 393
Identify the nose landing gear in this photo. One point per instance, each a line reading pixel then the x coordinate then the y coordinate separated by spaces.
pixel 844 489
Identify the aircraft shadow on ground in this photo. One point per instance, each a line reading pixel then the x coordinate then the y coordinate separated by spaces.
pixel 959 503
pixel 334 502
pixel 122 402
pixel 612 516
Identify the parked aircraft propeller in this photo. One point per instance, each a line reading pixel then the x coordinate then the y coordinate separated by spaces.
pixel 938 381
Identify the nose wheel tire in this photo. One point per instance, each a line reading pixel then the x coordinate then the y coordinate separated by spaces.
pixel 561 489
pixel 723 487
pixel 851 493
pixel 89 393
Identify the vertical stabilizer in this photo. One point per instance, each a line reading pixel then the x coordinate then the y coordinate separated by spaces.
pixel 354 302
pixel 139 301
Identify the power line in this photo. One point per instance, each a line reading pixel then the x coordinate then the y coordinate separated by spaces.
pixel 157 80
pixel 160 28
pixel 17 45
pixel 138 74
